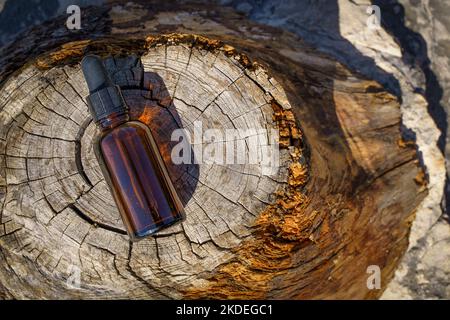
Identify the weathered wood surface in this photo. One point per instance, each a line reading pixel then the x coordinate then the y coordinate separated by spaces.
pixel 343 198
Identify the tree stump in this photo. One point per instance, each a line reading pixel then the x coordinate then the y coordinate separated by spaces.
pixel 342 198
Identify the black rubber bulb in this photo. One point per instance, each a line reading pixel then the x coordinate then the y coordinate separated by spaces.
pixel 95 73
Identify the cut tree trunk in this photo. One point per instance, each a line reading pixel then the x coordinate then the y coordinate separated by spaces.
pixel 341 200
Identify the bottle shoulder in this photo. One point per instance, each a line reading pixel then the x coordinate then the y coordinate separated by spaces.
pixel 136 124
pixel 126 128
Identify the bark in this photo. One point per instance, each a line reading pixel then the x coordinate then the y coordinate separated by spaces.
pixel 342 199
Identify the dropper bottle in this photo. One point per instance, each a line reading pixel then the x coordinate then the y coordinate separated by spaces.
pixel 129 158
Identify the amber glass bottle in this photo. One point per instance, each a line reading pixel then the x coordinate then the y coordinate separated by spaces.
pixel 129 158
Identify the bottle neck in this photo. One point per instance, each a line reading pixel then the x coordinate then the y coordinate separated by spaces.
pixel 113 120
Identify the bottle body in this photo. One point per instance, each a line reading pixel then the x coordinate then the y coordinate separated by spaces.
pixel 138 178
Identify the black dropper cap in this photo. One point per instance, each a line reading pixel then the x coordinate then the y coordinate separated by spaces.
pixel 104 97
